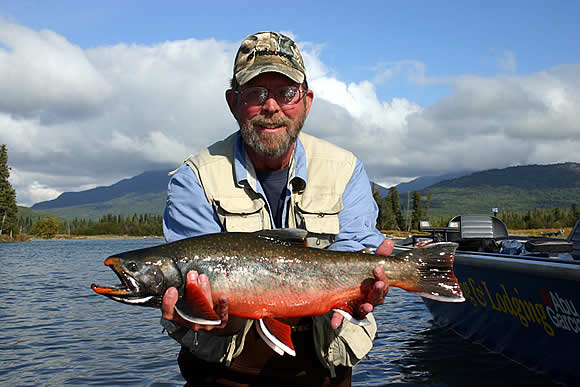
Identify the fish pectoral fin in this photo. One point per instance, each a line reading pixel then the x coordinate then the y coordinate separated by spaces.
pixel 277 335
pixel 194 307
pixel 363 323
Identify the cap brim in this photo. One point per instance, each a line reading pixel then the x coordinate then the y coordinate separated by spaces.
pixel 250 73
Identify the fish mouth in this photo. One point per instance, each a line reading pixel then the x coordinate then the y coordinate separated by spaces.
pixel 127 291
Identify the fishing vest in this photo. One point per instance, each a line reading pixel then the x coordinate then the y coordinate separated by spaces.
pixel 313 207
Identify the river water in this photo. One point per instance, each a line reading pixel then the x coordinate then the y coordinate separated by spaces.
pixel 55 331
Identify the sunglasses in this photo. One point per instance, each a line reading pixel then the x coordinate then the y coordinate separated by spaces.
pixel 257 96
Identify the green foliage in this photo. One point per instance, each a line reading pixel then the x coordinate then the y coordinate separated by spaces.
pixel 417 214
pixel 46 228
pixel 390 215
pixel 8 208
pixel 110 224
pixel 395 203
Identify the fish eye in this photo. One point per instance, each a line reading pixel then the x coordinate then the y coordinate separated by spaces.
pixel 132 266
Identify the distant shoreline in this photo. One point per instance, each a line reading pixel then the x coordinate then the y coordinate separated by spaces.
pixel 388 233
pixel 74 237
pixel 107 236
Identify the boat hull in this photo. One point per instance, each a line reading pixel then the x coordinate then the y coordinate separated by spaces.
pixel 524 308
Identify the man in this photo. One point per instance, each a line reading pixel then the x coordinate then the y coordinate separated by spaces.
pixel 270 175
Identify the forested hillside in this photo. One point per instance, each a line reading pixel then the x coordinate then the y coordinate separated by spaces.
pixel 517 189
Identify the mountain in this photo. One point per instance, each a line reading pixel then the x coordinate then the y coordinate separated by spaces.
pixel 419 183
pixel 145 183
pixel 519 188
pixel 426 181
pixel 144 193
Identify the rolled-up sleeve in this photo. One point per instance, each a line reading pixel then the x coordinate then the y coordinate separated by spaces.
pixel 187 211
pixel 358 218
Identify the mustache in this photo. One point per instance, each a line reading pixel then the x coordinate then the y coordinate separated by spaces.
pixel 274 121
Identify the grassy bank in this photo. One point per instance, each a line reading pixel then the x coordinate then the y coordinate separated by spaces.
pixel 15 238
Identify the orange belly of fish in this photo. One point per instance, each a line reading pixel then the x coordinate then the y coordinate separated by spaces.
pixel 287 305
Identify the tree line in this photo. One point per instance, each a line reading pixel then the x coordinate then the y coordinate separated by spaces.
pixel 131 225
pixel 394 215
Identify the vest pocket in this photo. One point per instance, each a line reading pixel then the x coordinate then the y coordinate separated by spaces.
pixel 319 218
pixel 322 225
pixel 319 223
pixel 245 217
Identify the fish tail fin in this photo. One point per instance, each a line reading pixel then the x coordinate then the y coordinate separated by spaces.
pixel 194 307
pixel 436 279
pixel 277 335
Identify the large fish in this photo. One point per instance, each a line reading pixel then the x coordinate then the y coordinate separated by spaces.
pixel 270 274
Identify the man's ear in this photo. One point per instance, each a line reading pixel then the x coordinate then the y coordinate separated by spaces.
pixel 231 100
pixel 308 98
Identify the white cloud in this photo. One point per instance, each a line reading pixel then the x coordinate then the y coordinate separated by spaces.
pixel 45 76
pixel 74 119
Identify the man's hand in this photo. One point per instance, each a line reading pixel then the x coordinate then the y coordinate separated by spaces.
pixel 193 279
pixel 380 287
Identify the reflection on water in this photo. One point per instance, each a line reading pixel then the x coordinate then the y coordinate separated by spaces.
pixel 56 331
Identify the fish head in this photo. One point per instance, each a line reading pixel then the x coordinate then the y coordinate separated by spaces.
pixel 144 279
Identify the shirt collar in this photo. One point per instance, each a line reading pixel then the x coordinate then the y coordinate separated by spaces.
pixel 245 173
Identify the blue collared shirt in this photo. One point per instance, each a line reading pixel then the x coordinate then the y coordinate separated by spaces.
pixel 188 212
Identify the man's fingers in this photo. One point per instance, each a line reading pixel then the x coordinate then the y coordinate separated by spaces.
pixel 169 299
pixel 192 277
pixel 381 286
pixel 364 309
pixel 379 273
pixel 336 320
pixel 203 283
pixel 222 311
pixel 386 247
pixel 377 294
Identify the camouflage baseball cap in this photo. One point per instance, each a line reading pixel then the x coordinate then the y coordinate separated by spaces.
pixel 264 52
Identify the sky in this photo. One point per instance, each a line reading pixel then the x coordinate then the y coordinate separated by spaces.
pixel 95 92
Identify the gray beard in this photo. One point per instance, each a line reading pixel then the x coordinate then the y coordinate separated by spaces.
pixel 270 145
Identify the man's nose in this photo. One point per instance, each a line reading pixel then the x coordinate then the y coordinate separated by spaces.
pixel 270 105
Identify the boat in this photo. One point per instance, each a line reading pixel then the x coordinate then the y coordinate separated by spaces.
pixel 522 293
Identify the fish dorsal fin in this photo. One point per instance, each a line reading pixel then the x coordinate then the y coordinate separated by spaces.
pixel 294 236
pixel 277 335
pixel 195 308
